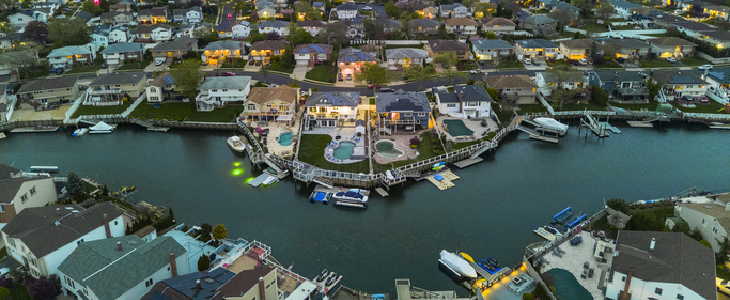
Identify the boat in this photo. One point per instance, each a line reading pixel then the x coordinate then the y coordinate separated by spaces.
pixel 331 279
pixel 353 196
pixel 323 276
pixel 551 123
pixel 466 256
pixel 80 131
pixel 457 264
pixel 348 204
pixel 44 169
pixel 236 144
pixel 547 232
pixel 718 125
pixel 324 197
pixel 101 127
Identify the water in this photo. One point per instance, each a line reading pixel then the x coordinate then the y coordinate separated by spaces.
pixel 285 138
pixel 387 149
pixel 492 210
pixel 344 150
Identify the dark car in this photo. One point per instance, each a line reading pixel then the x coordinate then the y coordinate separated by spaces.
pixel 104 66
pixel 228 74
pixel 535 62
pixel 381 4
pixel 620 60
pixel 250 62
pixel 386 90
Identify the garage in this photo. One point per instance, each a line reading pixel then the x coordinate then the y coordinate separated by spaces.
pixel 112 62
pixel 302 62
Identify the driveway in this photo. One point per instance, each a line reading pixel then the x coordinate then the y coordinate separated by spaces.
pixel 300 72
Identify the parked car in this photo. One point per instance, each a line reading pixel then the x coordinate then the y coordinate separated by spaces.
pixel 349 77
pixel 104 66
pixel 671 60
pixel 57 71
pixel 621 60
pixel 705 67
pixel 527 61
pixel 535 62
pixel 381 4
pixel 158 63
pixel 250 62
pixel 475 71
pixel 583 62
pixel 228 74
pixel 386 90
pixel 367 7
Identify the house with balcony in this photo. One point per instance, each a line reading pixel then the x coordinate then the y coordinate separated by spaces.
pixel 69 56
pixel 456 10
pixel 672 47
pixel 347 11
pixel 312 54
pixel 42 14
pixel 351 60
pixel 117 54
pixel 426 11
pixel 461 26
pixel 516 89
pixel 436 47
pixel 220 51
pixel 577 49
pixel 401 110
pixel 174 49
pixel 161 88
pixel 111 88
pixel 21 193
pixel 630 47
pixel 270 103
pixel 152 15
pixel 423 27
pixel 280 27
pixel 49 93
pixel 218 91
pixel 154 33
pixel 620 85
pixel 678 84
pixel 540 25
pixel 490 49
pixel 331 109
pixel 311 26
pixel 498 26
pixel 536 48
pixel 187 15
pixel 264 50
pixel 402 58
pixel 41 238
pixel 117 17
pixel 467 101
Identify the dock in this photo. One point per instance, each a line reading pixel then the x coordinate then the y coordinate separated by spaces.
pixel 610 127
pixel 263 179
pixel 468 162
pixel 35 129
pixel 382 192
pixel 640 124
pixel 446 182
pixel 596 127
pixel 537 136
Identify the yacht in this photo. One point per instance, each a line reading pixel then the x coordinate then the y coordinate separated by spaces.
pixel 457 264
pixel 353 196
pixel 236 143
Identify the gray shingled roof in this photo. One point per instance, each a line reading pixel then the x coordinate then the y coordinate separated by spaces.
pixel 183 43
pixel 183 287
pixel 536 43
pixel 671 41
pixel 69 50
pixel 108 272
pixel 48 84
pixel 225 45
pixel 619 76
pixel 676 258
pixel 225 82
pixel 36 228
pixel 537 20
pixel 333 99
pixel 405 53
pixel 274 24
pixel 629 43
pixel 402 101
pixel 124 47
pixel 492 44
pixel 118 78
pixel 6 170
pixel 9 188
pixel 677 77
pixel 423 22
pixel 347 6
pixel 474 93
pixel 623 4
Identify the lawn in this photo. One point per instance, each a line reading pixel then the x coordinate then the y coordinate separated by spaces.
pixel 19 292
pixel 237 63
pixel 510 64
pixel 577 107
pixel 221 114
pixel 557 63
pixel 138 65
pixel 694 61
pixel 651 106
pixel 278 68
pixel 712 108
pixel 101 110
pixel 416 46
pixel 656 63
pixel 322 73
pixel 532 108
pixel 180 111
pixel 311 151
pixel 427 149
pixel 594 27
pixel 83 69
pixel 608 65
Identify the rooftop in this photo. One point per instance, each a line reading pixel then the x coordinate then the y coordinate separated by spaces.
pixel 185 287
pixel 225 45
pixel 718 212
pixel 628 43
pixel 492 44
pixel 9 187
pixel 313 48
pixel 460 22
pixel 123 47
pixel 262 95
pixel 119 78
pixel 670 41
pixel 401 100
pixel 333 99
pixel 465 93
pixel 447 45
pixel 677 77
pixel 275 23
pixel 499 21
pixel 268 45
pixel 48 84
pixel 182 43
pixel 538 19
pixel 535 43
pixel 579 43
pixel 241 282
pixel 352 54
pixel 509 81
pixel 225 82
pixel 405 53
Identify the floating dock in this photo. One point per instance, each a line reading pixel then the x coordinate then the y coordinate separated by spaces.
pixel 610 127
pixel 347 204
pixel 468 162
pixel 537 136
pixel 263 179
pixel 35 129
pixel 640 124
pixel 382 192
pixel 445 181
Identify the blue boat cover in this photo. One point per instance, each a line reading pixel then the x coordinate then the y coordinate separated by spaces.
pixel 319 196
pixel 438 177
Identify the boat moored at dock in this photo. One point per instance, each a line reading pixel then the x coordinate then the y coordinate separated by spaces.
pixel 457 264
pixel 80 131
pixel 547 232
pixel 236 144
pixel 323 197
pixel 352 196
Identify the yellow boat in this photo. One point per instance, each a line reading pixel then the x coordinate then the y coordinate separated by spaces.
pixel 466 256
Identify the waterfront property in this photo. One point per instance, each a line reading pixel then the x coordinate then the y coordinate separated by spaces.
pixel 409 111
pixel 331 109
pixel 217 91
pixel 467 101
pixel 679 84
pixel 271 104
pixel 711 219
pixel 198 285
pixel 115 88
pixel 45 94
pixel 517 89
pixel 620 85
pixel 161 88
pixel 20 193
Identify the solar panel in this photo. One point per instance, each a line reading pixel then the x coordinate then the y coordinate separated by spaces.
pixel 169 80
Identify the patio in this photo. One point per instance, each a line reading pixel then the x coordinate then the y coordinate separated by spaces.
pixel 474 125
pixel 342 135
pixel 275 131
pixel 401 140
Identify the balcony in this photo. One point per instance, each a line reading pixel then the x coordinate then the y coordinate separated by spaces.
pixel 101 92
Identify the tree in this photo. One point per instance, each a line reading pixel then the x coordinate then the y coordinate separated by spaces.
pixel 91 7
pixel 644 220
pixel 564 16
pixel 239 5
pixel 599 96
pixel 4 293
pixel 203 263
pixel 287 59
pixel 298 35
pixel 373 74
pixel 450 75
pixel 605 10
pixel 73 183
pixel 273 36
pixel 484 10
pixel 494 93
pixel 44 288
pixel 617 203
pixel 289 12
pixel 564 73
pixel 681 227
pixel 654 87
pixel 334 34
pixel 205 232
pixel 419 74
pixel 392 10
pixel 220 232
pixel 62 32
pixel 188 77
pixel 611 49
pixel 36 31
pixel 446 58
pixel 257 37
pixel 254 16
pixel 491 36
pixel 104 5
pixel 205 36
pixel 528 296
pixel 310 13
pixel 594 49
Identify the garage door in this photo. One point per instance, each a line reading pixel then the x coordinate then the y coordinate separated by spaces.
pixel 302 62
pixel 112 62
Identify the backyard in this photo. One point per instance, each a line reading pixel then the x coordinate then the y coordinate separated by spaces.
pixel 532 108
pixel 656 63
pixel 180 111
pixel 137 65
pixel 651 106
pixel 312 152
pixel 712 108
pixel 429 147
pixel 322 74
pixel 84 110
pixel 573 106
pixel 594 27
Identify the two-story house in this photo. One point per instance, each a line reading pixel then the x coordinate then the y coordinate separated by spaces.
pixel 517 89
pixel 712 220
pixel 423 27
pixel 121 268
pixel 498 26
pixel 50 93
pixel 672 47
pixel 403 58
pixel 23 193
pixel 401 110
pixel 720 12
pixel 426 11
pixel 268 103
pixel 678 84
pixel 312 54
pixel 467 101
pixel 436 47
pixel 461 26
pixel 117 54
pixel 152 15
pixel 161 89
pixel 620 85
pixel 623 9
pixel 154 33
pixel 42 14
pixel 346 11
pixel 220 284
pixel 577 49
pixel 113 88
pixel 331 109
pixel 264 50
pixel 70 56
pixel 390 25
pixel 351 60
pixel 40 238
pixel 187 15
pixel 540 25
pixel 489 49
pixel 219 51
pixel 575 80
pixel 117 17
pixel 536 48
pixel 266 10
pixel 119 35
pixel 456 10
pixel 279 27
pixel 218 91
pixel 233 29
pixel 174 49
pixel 21 18
pixel 311 26
pixel 630 47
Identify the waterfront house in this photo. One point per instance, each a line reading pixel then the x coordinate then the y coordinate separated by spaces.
pixel 193 286
pixel 352 60
pixel 21 18
pixel 21 193
pixel 177 48
pixel 540 25
pixel 436 47
pixel 517 89
pixel 456 10
pixel 117 17
pixel 311 26
pixel 426 11
pixel 220 284
pixel 467 101
pixel 720 12
pixel 536 48
pixel 152 15
pixel 187 15
pixel 405 57
pixel 577 49
pixel 220 51
pixel 217 91
pixel 264 50
pixel 270 103
pixel 575 80
pixel 347 11
pixel 161 88
pixel 116 54
pixel 678 84
pixel 154 33
pixel 660 265
pixel 672 47
pixel 620 85
pixel 45 94
pixel 401 110
pixel 69 56
pixel 147 233
pixel 279 27
pixel 121 268
pixel 312 54
pixel 630 47
pixel 113 88
pixel 498 26
pixel 423 27
pixel 711 219
pixel 331 109
pixel 461 26
pixel 40 238
pixel 490 49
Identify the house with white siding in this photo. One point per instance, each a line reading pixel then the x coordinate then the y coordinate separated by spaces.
pixel 467 101
pixel 218 91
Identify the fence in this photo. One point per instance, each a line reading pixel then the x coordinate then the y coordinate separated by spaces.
pixel 714 60
pixel 134 105
pixel 537 278
pixel 71 111
pixel 14 100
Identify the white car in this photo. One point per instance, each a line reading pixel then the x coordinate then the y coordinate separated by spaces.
pixel 475 71
pixel 583 62
pixel 367 7
pixel 705 67
pixel 671 60
pixel 527 61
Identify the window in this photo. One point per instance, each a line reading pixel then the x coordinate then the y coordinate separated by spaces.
pixel 508 90
pixel 680 297
pixel 79 242
pixel 69 281
pixel 703 220
pixel 450 105
pixel 224 90
pixel 152 89
pixel 116 223
pixel 32 262
pixel 689 86
pixel 714 230
pixel 623 278
pixel 154 98
pixel 407 115
pixel 215 91
pixel 658 291
pixel 253 107
pixel 148 283
pixel 2 208
pixel 421 114
pixel 24 197
pixel 12 242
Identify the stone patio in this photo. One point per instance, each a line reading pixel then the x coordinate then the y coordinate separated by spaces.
pixel 276 129
pixel 28 113
pixel 473 125
pixel 346 135
pixel 401 140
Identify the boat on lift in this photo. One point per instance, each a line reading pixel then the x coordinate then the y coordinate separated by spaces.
pixel 352 196
pixel 457 264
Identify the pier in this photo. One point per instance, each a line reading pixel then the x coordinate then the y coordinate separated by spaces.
pixel 593 125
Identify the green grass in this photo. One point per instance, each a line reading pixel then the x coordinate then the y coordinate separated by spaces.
pixel 558 63
pixel 279 68
pixel 179 111
pixel 712 108
pixel 487 137
pixel 608 65
pixel 594 27
pixel 372 101
pixel 220 114
pixel 656 63
pixel 694 61
pixel 83 69
pixel 577 107
pixel 210 18
pixel 425 151
pixel 311 151
pixel 238 63
pixel 651 106
pixel 510 64
pixel 532 108
pixel 19 292
pixel 322 73
pixel 602 224
pixel 138 65
pixel 3 252
pixel 722 273
pixel 85 110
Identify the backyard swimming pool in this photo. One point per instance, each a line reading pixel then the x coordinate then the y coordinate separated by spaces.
pixel 457 128
pixel 285 138
pixel 387 149
pixel 344 151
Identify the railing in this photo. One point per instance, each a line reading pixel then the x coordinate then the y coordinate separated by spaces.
pixel 74 107
pixel 104 92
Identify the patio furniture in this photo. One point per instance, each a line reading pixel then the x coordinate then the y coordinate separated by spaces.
pixel 586 265
pixel 590 273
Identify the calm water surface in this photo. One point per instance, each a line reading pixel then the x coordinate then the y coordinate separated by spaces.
pixel 492 210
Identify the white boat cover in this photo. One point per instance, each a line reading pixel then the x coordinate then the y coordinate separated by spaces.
pixel 101 126
pixel 551 123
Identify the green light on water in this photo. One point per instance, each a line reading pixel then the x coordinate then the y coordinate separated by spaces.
pixel 237 172
pixel 236 164
pixel 249 179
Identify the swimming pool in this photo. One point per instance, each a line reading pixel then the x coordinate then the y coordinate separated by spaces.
pixel 387 149
pixel 457 128
pixel 344 151
pixel 285 138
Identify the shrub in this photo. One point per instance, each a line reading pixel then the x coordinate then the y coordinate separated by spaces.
pixel 599 96
pixel 203 263
pixel 528 296
pixel 4 293
pixel 706 243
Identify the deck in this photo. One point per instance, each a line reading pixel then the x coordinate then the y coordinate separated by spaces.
pixel 444 184
pixel 468 162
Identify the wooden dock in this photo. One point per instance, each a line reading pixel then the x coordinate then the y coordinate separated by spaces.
pixel 640 124
pixel 468 162
pixel 446 182
pixel 543 138
pixel 382 192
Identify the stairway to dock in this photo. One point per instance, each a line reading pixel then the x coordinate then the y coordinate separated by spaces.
pixel 323 181
pixel 537 136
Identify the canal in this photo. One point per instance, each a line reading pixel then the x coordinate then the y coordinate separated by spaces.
pixel 491 211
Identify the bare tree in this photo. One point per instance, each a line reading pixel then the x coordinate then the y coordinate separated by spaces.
pixel 565 16
pixel 605 10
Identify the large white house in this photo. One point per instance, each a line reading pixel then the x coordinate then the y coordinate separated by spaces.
pixel 154 33
pixel 711 219
pixel 216 91
pixel 187 15
pixel 22 193
pixel 20 19
pixel 346 11
pixel 241 30
pixel 280 27
pixel 41 238
pixel 466 101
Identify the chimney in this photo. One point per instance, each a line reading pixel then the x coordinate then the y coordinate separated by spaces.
pixel 106 226
pixel 197 285
pixel 625 294
pixel 173 264
pixel 651 246
pixel 119 246
pixel 262 288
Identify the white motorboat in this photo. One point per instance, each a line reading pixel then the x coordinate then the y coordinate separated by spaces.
pixel 80 131
pixel 354 196
pixel 457 264
pixel 551 123
pixel 547 232
pixel 236 143
pixel 101 127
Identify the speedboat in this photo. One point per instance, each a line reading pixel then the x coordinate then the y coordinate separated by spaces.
pixel 332 279
pixel 551 123
pixel 322 277
pixel 351 196
pixel 236 143
pixel 80 131
pixel 457 264
pixel 547 232
pixel 487 266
